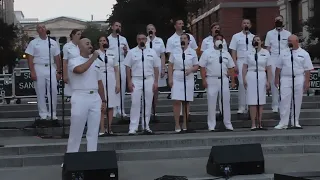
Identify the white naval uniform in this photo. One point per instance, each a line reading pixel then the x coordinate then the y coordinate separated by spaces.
pixel 251 77
pixel 85 105
pixel 238 43
pixel 301 63
pixel 174 46
pixel 133 60
pixel 113 97
pixel 210 59
pixel 113 42
pixel 39 49
pixel 159 47
pixel 273 42
pixel 208 43
pixel 70 51
pixel 177 90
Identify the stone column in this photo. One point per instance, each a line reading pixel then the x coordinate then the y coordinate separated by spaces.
pixel 285 11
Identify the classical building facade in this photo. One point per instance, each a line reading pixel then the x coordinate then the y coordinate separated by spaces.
pixel 295 12
pixel 7 11
pixel 229 14
pixel 59 27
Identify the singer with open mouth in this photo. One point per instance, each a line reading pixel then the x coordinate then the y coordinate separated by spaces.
pixel 182 65
pixel 294 66
pixel 215 63
pixel 142 68
pixel 256 82
pixel 109 68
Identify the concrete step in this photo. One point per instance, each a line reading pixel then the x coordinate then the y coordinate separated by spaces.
pixel 314 100
pixel 151 154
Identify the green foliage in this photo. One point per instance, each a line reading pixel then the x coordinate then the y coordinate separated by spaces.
pixel 21 42
pixel 92 32
pixel 313 27
pixel 8 36
pixel 135 15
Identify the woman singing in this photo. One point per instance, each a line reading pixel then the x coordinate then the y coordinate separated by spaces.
pixel 176 80
pixel 249 72
pixel 70 50
pixel 112 70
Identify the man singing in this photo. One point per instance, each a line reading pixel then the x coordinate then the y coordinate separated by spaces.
pixel 138 60
pixel 276 41
pixel 113 39
pixel 302 66
pixel 241 45
pixel 211 79
pixel 39 65
pixel 88 98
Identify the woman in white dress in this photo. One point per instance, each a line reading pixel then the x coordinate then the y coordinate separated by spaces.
pixel 112 70
pixel 70 50
pixel 157 44
pixel 249 73
pixel 176 80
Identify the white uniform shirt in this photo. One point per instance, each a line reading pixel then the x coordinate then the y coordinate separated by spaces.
pixel 157 45
pixel 113 42
pixel 134 61
pixel 112 61
pixel 301 62
pixel 174 44
pixel 238 43
pixel 208 43
pixel 210 59
pixel 87 80
pixel 70 51
pixel 39 49
pixel 191 59
pixel 273 42
pixel 263 60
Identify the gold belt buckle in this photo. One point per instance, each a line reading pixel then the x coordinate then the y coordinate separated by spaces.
pixel 91 92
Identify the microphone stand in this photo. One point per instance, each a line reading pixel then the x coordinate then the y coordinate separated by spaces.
pixel 221 88
pixel 107 90
pixel 121 104
pixel 144 95
pixel 279 39
pixel 247 44
pixel 154 100
pixel 63 105
pixel 293 104
pixel 50 68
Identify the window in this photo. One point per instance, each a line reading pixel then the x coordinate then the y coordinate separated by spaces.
pixel 251 13
pixel 296 16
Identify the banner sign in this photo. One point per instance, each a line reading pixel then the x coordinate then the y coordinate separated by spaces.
pixel 6 85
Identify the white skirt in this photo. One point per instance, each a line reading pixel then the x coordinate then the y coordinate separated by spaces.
pixel 67 90
pixel 114 99
pixel 252 88
pixel 162 82
pixel 177 90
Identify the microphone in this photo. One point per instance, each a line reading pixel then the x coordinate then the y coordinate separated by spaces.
pixel 117 31
pixel 48 32
pixel 150 35
pixel 246 29
pixel 220 46
pixel 217 32
pixel 255 44
pixel 105 46
pixel 183 44
pixel 290 45
pixel 142 44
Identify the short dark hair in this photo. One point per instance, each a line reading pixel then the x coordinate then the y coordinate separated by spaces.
pixel 101 36
pixel 141 33
pixel 185 34
pixel 245 18
pixel 115 22
pixel 214 24
pixel 73 32
pixel 82 37
pixel 218 35
pixel 175 20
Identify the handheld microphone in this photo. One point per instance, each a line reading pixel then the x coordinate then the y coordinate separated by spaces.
pixel 48 32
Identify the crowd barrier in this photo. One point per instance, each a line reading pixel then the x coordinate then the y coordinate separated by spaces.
pixel 19 85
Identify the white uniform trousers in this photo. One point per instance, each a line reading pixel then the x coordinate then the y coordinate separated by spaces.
pixel 136 107
pixel 214 88
pixel 274 89
pixel 42 85
pixel 286 102
pixel 122 71
pixel 85 108
pixel 67 87
pixel 241 89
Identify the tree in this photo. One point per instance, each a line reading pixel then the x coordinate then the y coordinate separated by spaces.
pixel 7 44
pixel 21 42
pixel 313 27
pixel 135 15
pixel 93 31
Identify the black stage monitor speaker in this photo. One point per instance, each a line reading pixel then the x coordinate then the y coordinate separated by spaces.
pixel 166 177
pixel 100 165
pixel 230 160
pixel 298 176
